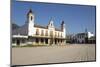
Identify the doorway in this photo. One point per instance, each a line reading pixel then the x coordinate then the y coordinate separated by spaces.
pixel 18 42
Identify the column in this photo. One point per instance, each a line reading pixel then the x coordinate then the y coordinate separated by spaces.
pixel 64 42
pixel 39 41
pixel 53 41
pixel 15 42
pixel 48 41
pixel 57 41
pixel 60 41
pixel 20 42
pixel 34 41
pixel 43 41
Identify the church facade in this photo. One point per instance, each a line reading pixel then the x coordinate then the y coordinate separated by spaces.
pixel 33 34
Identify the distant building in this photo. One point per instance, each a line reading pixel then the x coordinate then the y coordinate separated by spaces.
pixel 31 33
pixel 92 40
pixel 83 37
pixel 70 38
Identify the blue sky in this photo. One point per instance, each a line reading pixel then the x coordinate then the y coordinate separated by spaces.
pixel 76 17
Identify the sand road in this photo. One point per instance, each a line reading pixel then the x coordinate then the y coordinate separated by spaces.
pixel 53 54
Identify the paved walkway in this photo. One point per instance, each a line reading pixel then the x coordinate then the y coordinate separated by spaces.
pixel 53 54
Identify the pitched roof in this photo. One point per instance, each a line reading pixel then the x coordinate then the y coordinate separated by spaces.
pixel 45 27
pixel 57 29
pixel 40 26
pixel 30 11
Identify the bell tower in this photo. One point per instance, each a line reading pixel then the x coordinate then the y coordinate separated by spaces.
pixel 30 21
pixel 30 16
pixel 51 25
pixel 63 29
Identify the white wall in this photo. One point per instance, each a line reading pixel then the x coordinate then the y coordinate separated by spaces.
pixel 63 33
pixel 31 24
pixel 90 34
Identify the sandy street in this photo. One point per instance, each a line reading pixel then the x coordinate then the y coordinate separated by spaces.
pixel 53 54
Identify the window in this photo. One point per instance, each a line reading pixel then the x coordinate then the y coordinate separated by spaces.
pixel 31 17
pixel 42 32
pixel 46 33
pixel 55 34
pixel 51 24
pixel 51 33
pixel 61 35
pixel 58 34
pixel 37 31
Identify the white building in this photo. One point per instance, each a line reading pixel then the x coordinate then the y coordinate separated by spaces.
pixel 83 37
pixel 31 33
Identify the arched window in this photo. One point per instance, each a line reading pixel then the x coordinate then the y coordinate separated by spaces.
pixel 58 34
pixel 42 32
pixel 31 17
pixel 61 35
pixel 51 33
pixel 55 34
pixel 46 34
pixel 37 31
